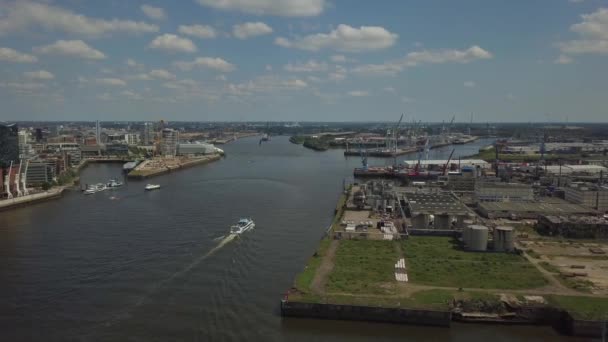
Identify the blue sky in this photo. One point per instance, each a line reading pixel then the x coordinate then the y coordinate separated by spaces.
pixel 304 60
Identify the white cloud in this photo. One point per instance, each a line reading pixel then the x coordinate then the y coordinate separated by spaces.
pixel 310 66
pixel 563 59
pixel 390 90
pixel 575 1
pixel 131 95
pixel 24 15
pixel 10 55
pixel 268 67
pixel 162 74
pixel 418 58
pixel 358 93
pixel 117 82
pixel 39 75
pixel 133 64
pixel 286 8
pixel 386 69
pixel 594 25
pixel 338 58
pixel 251 29
pixel 593 32
pixel 104 97
pixel 265 85
pixel 71 48
pixel 579 47
pixel 469 84
pixel 22 86
pixel 159 74
pixel 344 38
pixel 181 84
pixel 198 31
pixel 336 76
pixel 172 43
pixel 406 99
pixel 206 62
pixel 446 56
pixel 155 13
pixel 295 83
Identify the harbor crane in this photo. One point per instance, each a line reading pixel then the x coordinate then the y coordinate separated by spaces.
pixel 396 139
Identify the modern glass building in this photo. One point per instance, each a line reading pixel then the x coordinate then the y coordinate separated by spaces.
pixel 9 144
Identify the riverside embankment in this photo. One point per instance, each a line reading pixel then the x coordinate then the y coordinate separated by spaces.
pixel 160 166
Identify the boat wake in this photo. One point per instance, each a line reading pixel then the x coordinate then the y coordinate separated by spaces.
pixel 225 239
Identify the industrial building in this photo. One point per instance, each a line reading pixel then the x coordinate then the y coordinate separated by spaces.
pixel 434 164
pixel 582 227
pixel 439 208
pixel 531 210
pixel 589 195
pixel 503 192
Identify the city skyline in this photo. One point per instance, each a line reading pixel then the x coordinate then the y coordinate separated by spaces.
pixel 251 60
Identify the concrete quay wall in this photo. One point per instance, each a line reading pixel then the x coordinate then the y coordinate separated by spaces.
pixel 366 313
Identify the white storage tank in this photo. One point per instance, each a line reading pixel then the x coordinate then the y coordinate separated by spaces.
pixel 478 238
pixel 503 239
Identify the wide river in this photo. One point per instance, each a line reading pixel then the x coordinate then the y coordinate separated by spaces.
pixel 132 265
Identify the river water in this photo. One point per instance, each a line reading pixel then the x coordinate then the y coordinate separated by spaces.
pixel 127 264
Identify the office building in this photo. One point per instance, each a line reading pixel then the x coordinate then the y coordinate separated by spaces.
pixel 169 141
pixel 9 144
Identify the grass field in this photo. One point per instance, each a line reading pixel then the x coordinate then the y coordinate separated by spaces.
pixel 437 261
pixel 304 279
pixel 364 267
pixel 586 308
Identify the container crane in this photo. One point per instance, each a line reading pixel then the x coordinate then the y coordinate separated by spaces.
pixel 395 139
pixel 445 167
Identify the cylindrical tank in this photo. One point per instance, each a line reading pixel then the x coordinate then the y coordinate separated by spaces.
pixel 478 237
pixel 442 222
pixel 503 239
pixel 420 221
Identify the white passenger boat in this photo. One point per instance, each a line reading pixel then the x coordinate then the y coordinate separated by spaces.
pixel 244 225
pixel 95 188
pixel 152 187
pixel 114 183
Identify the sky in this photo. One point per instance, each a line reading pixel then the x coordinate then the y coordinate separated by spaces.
pixel 304 60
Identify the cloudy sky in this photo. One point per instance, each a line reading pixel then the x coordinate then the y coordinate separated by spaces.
pixel 304 60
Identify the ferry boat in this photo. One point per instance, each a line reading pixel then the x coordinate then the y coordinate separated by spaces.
pixel 244 225
pixel 114 183
pixel 95 188
pixel 152 187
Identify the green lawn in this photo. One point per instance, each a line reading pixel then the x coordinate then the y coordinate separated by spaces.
pixel 304 279
pixel 586 308
pixel 437 261
pixel 364 266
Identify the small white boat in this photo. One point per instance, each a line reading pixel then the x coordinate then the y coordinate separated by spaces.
pixel 244 225
pixel 152 187
pixel 114 183
pixel 95 188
